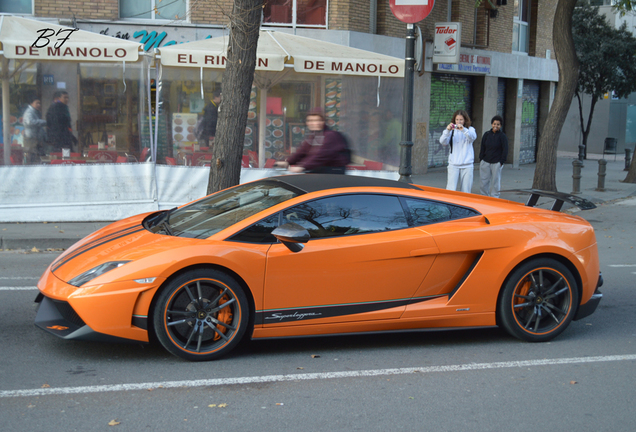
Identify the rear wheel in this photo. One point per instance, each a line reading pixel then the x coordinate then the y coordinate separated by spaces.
pixel 201 315
pixel 539 300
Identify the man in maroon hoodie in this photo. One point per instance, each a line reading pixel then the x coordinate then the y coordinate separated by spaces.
pixel 323 151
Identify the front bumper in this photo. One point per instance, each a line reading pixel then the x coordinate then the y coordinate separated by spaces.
pixel 58 318
pixel 588 308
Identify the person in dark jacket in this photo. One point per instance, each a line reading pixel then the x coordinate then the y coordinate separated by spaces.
pixel 493 156
pixel 210 118
pixel 58 121
pixel 323 150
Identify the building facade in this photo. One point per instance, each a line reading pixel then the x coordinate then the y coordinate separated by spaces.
pixel 506 67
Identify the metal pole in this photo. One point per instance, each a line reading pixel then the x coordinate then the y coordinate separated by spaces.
pixel 406 145
pixel 602 168
pixel 576 176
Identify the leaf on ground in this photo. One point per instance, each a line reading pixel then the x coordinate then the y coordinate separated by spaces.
pixel 212 406
pixel 301 368
pixel 113 423
pixel 573 382
pixel 45 386
pixel 315 356
pixel 34 249
pixel 280 404
pixel 223 405
pixel 61 231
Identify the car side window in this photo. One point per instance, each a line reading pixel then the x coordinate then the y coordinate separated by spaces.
pixel 424 212
pixel 348 214
pixel 260 232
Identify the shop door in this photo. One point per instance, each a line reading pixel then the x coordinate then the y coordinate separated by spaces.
pixel 529 122
pixel 449 93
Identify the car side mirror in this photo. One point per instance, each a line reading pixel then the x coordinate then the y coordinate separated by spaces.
pixel 292 235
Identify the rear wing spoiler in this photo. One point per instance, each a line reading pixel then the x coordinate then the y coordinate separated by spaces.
pixel 559 199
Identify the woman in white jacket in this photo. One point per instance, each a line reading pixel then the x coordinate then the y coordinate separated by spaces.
pixel 460 135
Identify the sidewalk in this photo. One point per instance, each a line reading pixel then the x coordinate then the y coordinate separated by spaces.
pixel 61 235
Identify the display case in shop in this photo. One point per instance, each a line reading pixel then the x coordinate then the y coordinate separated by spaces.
pixel 333 98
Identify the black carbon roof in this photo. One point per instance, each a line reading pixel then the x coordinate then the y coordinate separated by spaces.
pixel 318 182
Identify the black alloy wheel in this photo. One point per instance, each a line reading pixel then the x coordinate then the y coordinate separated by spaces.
pixel 539 300
pixel 201 315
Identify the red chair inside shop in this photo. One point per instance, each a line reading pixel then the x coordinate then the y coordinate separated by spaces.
pixel 269 163
pixel 253 158
pixel 103 155
pixel 245 162
pixel 121 159
pixel 201 158
pixel 356 167
pixel 171 161
pixel 144 154
pixel 93 146
pixel 204 149
pixel 373 165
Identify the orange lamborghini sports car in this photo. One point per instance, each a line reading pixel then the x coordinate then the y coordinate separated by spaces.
pixel 313 254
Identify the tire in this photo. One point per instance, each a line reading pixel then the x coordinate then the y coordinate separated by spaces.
pixel 538 301
pixel 201 315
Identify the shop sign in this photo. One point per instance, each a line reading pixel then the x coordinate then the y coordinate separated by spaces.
pixel 468 63
pixel 48 80
pixel 382 68
pixel 448 36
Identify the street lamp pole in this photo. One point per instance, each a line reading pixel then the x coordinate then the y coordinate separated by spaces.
pixel 406 145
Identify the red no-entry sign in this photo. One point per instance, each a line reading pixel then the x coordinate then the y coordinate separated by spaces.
pixel 411 11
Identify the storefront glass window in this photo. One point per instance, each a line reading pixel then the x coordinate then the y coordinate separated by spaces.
pixel 96 117
pixel 366 109
pixel 153 9
pixel 306 13
pixel 16 6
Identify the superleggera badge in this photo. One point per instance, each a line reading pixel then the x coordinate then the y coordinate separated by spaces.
pixel 295 315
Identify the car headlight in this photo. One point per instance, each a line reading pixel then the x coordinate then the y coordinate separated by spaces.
pixel 91 274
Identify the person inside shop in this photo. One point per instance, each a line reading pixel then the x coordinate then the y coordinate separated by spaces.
pixel 58 122
pixel 459 135
pixel 493 155
pixel 210 116
pixel 323 151
pixel 34 130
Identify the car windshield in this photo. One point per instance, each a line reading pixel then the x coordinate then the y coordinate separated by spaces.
pixel 221 210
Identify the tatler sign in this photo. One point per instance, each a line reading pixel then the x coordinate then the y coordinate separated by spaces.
pixel 447 41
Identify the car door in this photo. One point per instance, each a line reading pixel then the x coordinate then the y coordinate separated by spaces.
pixel 363 262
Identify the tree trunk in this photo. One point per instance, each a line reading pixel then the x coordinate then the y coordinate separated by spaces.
pixel 225 169
pixel 568 63
pixel 631 174
pixel 586 129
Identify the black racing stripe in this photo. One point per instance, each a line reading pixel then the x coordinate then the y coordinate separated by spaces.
pixel 276 316
pixel 95 243
pixel 92 242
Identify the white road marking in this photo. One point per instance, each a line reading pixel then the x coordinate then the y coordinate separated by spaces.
pixel 622 265
pixel 310 376
pixel 18 278
pixel 18 288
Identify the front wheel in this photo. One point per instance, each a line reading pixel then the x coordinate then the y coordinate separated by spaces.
pixel 201 315
pixel 539 300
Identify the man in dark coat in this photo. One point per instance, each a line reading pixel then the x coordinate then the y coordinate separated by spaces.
pixel 493 156
pixel 323 150
pixel 210 117
pixel 58 121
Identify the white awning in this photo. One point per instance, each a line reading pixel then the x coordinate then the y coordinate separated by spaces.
pixel 276 50
pixel 23 39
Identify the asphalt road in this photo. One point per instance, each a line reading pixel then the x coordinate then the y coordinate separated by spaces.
pixel 477 380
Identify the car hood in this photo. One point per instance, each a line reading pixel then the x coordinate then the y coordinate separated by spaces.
pixel 126 240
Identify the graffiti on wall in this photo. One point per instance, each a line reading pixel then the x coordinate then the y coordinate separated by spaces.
pixel 449 93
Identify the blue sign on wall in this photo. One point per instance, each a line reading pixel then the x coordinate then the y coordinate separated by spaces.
pixel 48 79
